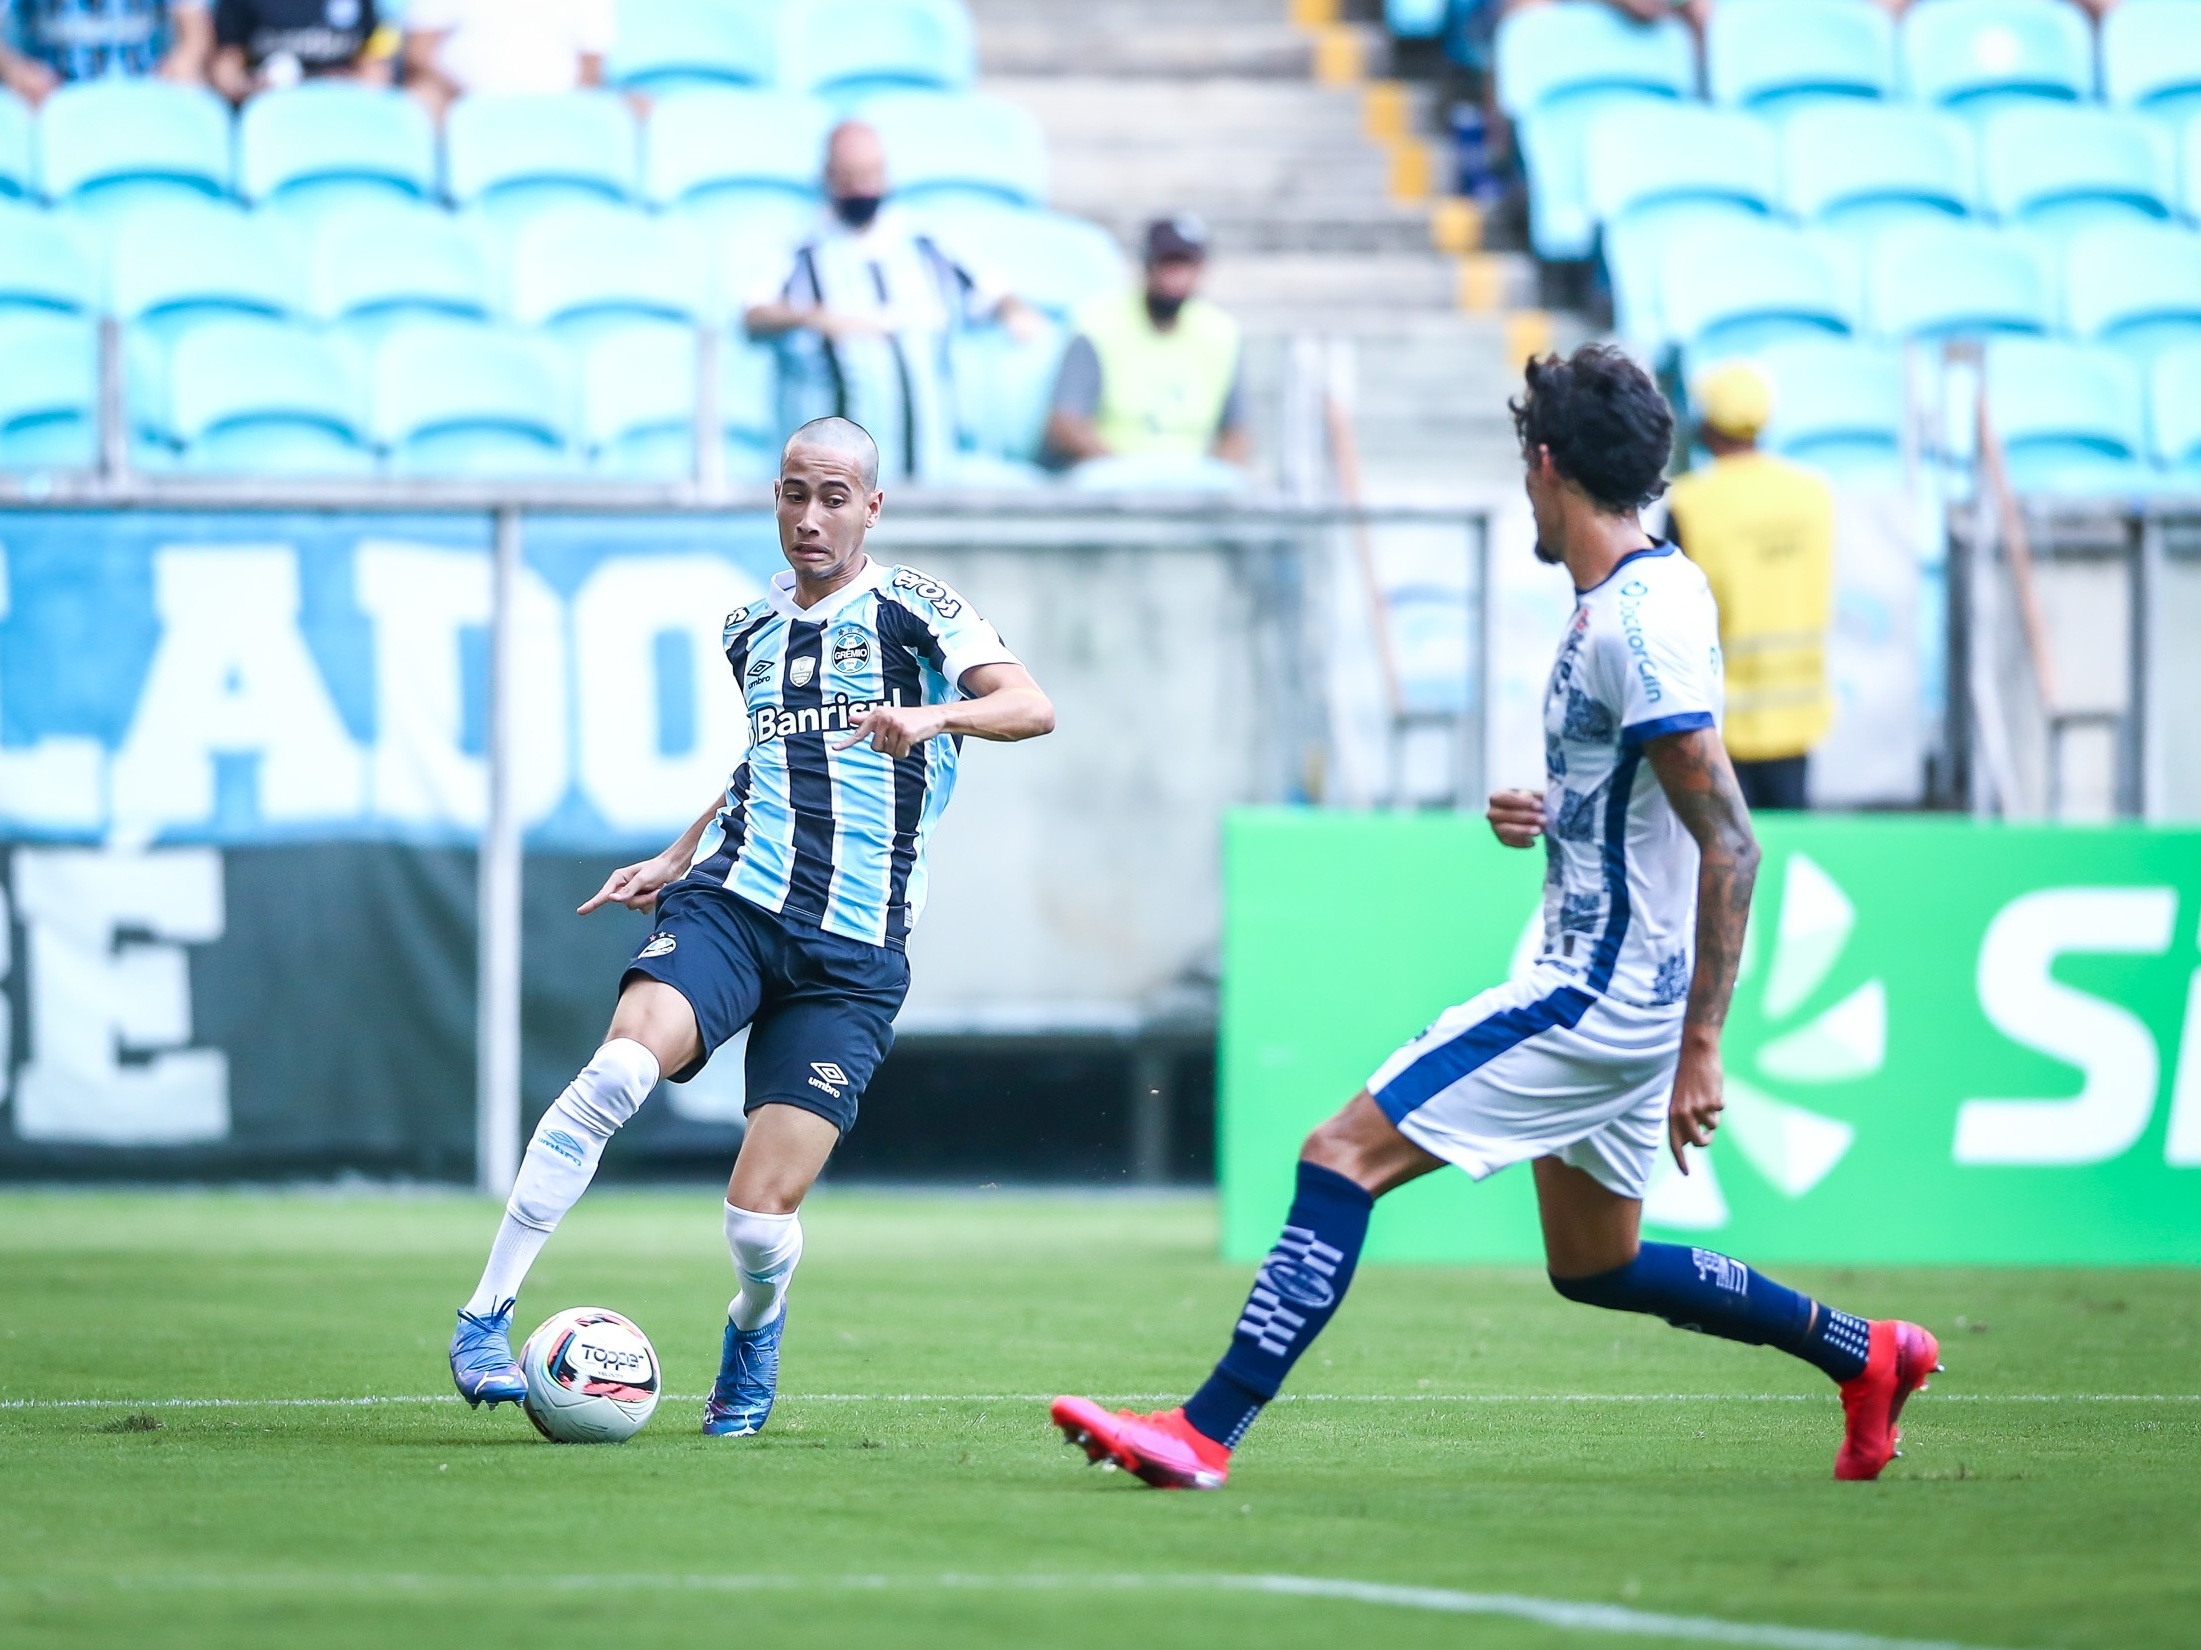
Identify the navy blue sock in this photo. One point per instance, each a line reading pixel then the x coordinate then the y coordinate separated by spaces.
pixel 1296 1293
pixel 1703 1290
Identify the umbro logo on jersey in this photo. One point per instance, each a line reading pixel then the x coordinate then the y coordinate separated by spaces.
pixel 829 1077
pixel 851 649
pixel 799 671
pixel 658 946
pixel 762 669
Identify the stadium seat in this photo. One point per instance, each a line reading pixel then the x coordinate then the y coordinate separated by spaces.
pixel 1858 167
pixel 2174 416
pixel 959 145
pixel 847 50
pixel 750 254
pixel 2134 286
pixel 113 142
pixel 666 45
pixel 1774 56
pixel 2189 169
pixel 455 399
pixel 1837 404
pixel 2059 167
pixel 49 392
pixel 44 263
pixel 637 387
pixel 586 265
pixel 512 153
pixel 1124 473
pixel 1558 67
pixel 1740 285
pixel 15 145
pixel 1948 280
pixel 1415 19
pixel 249 396
pixel 2151 58
pixel 366 267
pixel 172 264
pixel 329 144
pixel 1004 388
pixel 723 147
pixel 2069 416
pixel 1978 55
pixel 1052 261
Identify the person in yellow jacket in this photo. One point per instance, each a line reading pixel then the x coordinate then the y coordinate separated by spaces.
pixel 1156 372
pixel 1762 529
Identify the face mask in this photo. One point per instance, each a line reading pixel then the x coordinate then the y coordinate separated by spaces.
pixel 856 211
pixel 1162 311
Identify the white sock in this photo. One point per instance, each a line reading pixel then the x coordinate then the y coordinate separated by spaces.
pixel 560 1162
pixel 766 1249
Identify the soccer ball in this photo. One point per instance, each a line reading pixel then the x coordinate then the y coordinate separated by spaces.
pixel 592 1377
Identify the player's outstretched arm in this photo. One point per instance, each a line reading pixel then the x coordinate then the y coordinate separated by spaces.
pixel 1700 782
pixel 1003 704
pixel 637 886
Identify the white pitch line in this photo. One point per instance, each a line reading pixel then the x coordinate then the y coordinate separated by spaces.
pixel 1154 1397
pixel 1567 1614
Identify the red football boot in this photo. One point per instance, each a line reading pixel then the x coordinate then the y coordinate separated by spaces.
pixel 1902 1356
pixel 1161 1448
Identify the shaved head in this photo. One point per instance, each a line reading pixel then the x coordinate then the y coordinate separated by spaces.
pixel 839 435
pixel 855 160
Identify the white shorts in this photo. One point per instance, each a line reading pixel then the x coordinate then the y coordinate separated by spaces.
pixel 1539 1067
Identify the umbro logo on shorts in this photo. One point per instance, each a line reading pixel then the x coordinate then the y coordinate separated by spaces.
pixel 829 1077
pixel 658 945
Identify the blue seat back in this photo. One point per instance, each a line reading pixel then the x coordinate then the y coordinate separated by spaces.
pixel 1837 403
pixel 2070 416
pixel 1050 260
pixel 2057 165
pixel 252 370
pixel 332 141
pixel 1954 279
pixel 750 246
pixel 510 153
pixel 392 260
pixel 1647 155
pixel 2133 285
pixel 637 399
pixel 114 139
pixel 2151 56
pixel 665 45
pixel 49 390
pixel 15 145
pixel 1767 54
pixel 586 263
pixel 2189 168
pixel 455 398
pixel 1977 54
pixel 44 262
pixel 846 50
pixel 1415 19
pixel 1004 389
pixel 1728 292
pixel 1546 54
pixel 2174 406
pixel 946 143
pixel 1865 163
pixel 723 139
pixel 173 262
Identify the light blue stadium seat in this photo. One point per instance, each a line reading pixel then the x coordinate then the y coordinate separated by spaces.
pixel 368 266
pixel 847 50
pixel 2134 286
pixel 109 143
pixel 2151 58
pixel 714 147
pixel 1741 285
pixel 512 153
pixel 2189 169
pixel 587 264
pixel 1004 389
pixel 1051 260
pixel 2174 416
pixel 2069 415
pixel 1774 56
pixel 1124 473
pixel 174 263
pixel 329 144
pixel 245 395
pixel 1415 19
pixel 1857 168
pixel 943 144
pixel 751 252
pixel 2058 167
pixel 1559 67
pixel 15 145
pixel 452 398
pixel 637 386
pixel 1956 279
pixel 49 391
pixel 1977 55
pixel 1837 404
pixel 1665 173
pixel 665 45
pixel 45 262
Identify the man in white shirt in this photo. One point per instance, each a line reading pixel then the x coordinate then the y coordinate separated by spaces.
pixel 453 47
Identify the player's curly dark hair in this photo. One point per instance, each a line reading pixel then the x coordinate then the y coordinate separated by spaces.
pixel 1609 430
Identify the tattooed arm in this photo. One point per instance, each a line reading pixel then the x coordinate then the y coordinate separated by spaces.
pixel 1699 781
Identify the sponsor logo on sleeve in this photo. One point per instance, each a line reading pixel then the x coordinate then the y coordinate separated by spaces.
pixel 942 600
pixel 829 1077
pixel 657 946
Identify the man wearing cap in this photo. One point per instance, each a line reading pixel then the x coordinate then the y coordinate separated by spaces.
pixel 1157 372
pixel 1762 529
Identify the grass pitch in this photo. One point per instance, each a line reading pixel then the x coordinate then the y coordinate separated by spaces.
pixel 1455 1429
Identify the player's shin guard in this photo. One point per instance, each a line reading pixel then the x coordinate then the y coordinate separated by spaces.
pixel 1704 1290
pixel 561 1160
pixel 766 1251
pixel 1294 1296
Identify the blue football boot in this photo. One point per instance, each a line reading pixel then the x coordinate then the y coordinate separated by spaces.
pixel 481 1359
pixel 748 1380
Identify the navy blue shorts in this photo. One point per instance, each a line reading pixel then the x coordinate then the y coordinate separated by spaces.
pixel 820 1008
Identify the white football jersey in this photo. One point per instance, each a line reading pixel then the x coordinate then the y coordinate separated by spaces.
pixel 1641 658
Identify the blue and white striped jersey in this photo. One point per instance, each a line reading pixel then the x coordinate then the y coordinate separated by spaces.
pixel 84 39
pixel 837 838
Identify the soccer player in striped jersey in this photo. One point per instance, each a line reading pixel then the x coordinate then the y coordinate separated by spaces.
pixel 1608 1048
pixel 784 908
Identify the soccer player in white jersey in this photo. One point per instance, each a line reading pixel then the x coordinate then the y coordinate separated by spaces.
pixel 783 908
pixel 1608 1049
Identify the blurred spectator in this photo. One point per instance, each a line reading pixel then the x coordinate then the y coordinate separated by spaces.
pixel 453 47
pixel 1156 372
pixel 46 42
pixel 1763 531
pixel 864 313
pixel 266 45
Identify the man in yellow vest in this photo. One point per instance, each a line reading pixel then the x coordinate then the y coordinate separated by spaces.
pixel 1762 529
pixel 1154 373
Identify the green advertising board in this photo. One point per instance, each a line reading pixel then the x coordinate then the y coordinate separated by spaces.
pixel 1951 1042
